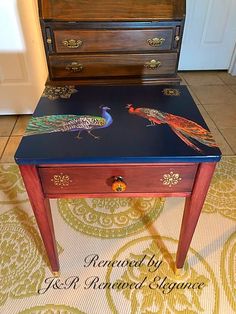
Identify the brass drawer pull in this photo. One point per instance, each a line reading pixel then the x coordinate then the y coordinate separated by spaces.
pixel 118 184
pixel 74 67
pixel 72 43
pixel 153 64
pixel 155 42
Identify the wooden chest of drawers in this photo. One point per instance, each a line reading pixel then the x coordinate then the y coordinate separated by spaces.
pixel 109 42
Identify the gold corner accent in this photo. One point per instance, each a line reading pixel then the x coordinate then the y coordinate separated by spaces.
pixel 61 180
pixel 55 92
pixel 171 179
pixel 171 92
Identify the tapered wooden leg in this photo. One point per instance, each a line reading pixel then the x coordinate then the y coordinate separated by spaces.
pixel 42 212
pixel 192 210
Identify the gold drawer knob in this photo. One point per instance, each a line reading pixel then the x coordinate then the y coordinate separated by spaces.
pixel 118 184
pixel 155 42
pixel 153 64
pixel 74 67
pixel 72 43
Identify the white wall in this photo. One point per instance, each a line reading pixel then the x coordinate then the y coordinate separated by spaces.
pixel 23 69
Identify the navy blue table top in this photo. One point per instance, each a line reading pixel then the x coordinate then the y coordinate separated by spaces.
pixel 116 124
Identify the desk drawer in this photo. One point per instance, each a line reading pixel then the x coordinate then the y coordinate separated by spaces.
pixel 112 65
pixel 98 179
pixel 71 41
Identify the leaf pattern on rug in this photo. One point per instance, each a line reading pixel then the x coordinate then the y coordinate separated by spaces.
pixel 12 189
pixel 22 256
pixel 110 218
pixel 228 269
pixel 158 300
pixel 221 196
pixel 52 309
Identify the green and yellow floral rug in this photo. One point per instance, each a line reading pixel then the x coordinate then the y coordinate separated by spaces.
pixel 117 255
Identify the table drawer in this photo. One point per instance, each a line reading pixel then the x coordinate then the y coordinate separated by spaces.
pixel 71 41
pixel 138 178
pixel 112 65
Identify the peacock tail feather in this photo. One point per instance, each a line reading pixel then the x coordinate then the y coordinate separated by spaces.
pixel 63 123
pixel 206 138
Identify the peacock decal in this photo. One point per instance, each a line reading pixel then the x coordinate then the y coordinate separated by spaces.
pixel 69 123
pixel 185 129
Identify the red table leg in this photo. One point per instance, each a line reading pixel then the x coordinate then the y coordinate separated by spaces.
pixel 42 212
pixel 192 210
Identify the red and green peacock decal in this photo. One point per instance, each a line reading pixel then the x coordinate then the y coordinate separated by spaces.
pixel 69 123
pixel 185 129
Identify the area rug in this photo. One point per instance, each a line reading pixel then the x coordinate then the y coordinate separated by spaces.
pixel 117 255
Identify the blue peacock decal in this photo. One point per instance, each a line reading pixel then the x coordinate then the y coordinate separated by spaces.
pixel 69 123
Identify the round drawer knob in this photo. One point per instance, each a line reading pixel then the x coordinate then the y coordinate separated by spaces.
pixel 118 185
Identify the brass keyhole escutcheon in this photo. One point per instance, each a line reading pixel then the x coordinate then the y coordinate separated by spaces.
pixel 118 184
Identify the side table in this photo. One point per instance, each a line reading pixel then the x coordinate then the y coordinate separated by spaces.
pixel 117 141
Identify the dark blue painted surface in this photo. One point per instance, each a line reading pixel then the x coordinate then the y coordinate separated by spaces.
pixel 127 139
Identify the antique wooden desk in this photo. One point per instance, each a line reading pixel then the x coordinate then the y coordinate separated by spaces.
pixel 117 141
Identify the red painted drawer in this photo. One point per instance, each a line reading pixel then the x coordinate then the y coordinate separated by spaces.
pixel 98 179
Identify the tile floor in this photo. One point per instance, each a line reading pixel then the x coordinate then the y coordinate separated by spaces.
pixel 213 91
